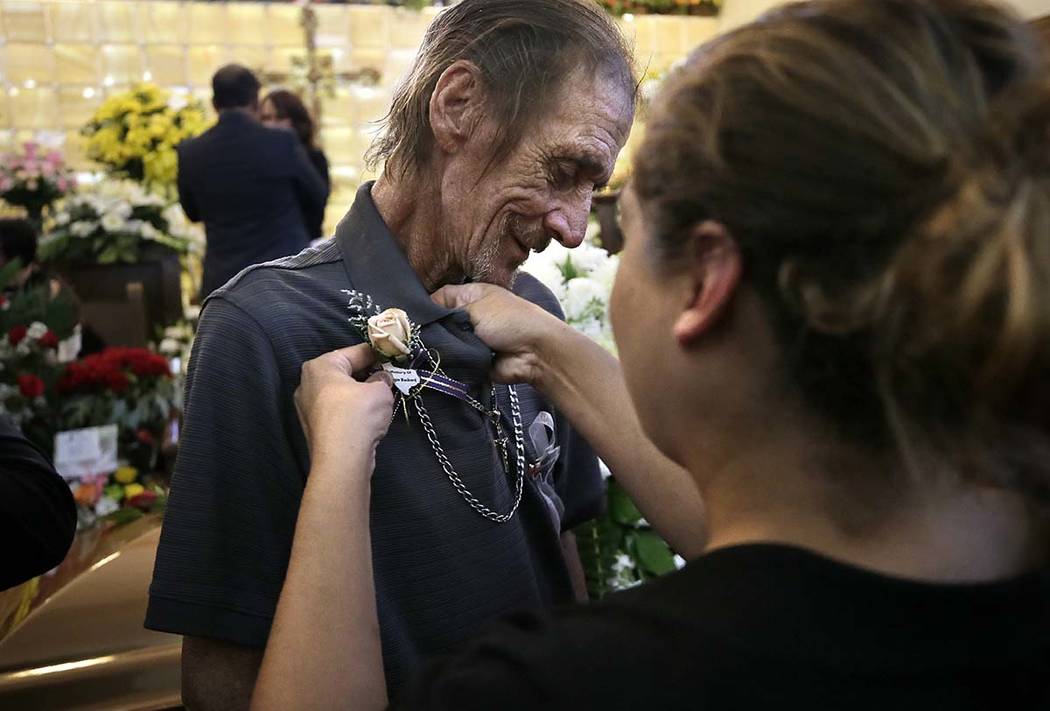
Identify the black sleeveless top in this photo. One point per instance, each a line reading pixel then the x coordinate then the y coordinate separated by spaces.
pixel 763 627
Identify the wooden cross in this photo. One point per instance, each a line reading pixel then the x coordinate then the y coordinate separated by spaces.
pixel 315 73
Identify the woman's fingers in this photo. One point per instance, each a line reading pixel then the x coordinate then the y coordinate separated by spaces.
pixel 460 296
pixel 354 359
pixel 381 376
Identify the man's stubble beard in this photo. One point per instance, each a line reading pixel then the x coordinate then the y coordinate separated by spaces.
pixel 486 268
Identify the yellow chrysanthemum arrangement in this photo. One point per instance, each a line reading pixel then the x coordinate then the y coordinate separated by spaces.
pixel 134 135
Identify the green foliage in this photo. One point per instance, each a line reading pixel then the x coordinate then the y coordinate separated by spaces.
pixel 653 553
pixel 569 270
pixel 598 543
pixel 621 509
pixel 123 515
pixel 146 404
pixel 8 272
pixel 619 550
pixel 57 310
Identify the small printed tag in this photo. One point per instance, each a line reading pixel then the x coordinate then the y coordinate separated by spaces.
pixel 404 378
pixel 86 452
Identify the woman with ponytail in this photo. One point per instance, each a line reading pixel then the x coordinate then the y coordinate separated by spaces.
pixel 833 311
pixel 283 109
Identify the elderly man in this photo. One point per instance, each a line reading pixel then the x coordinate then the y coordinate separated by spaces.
pixel 512 115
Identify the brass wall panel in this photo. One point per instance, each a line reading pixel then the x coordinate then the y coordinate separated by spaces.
pixel 77 64
pixel 74 21
pixel 25 21
pixel 122 64
pixel 118 21
pixel 167 64
pixel 33 63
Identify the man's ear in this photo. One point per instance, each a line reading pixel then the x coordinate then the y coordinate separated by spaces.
pixel 713 278
pixel 454 105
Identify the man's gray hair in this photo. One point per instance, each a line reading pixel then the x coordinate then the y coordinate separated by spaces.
pixel 524 50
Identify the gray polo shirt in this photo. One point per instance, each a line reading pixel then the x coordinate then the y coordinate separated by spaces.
pixel 441 570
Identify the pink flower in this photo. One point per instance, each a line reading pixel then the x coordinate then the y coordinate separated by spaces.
pixel 30 148
pixel 6 184
pixel 63 185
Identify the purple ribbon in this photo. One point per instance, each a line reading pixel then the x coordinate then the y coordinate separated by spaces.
pixel 442 384
pixel 436 381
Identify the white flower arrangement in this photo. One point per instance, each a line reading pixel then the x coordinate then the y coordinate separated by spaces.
pixel 37 330
pixel 581 279
pixel 176 339
pixel 176 343
pixel 619 550
pixel 111 223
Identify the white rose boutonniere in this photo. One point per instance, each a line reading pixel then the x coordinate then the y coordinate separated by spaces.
pixel 390 333
pixel 416 368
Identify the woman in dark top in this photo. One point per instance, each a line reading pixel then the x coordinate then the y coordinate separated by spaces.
pixel 18 241
pixel 37 515
pixel 834 311
pixel 283 109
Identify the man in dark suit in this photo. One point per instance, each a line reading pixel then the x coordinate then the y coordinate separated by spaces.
pixel 249 184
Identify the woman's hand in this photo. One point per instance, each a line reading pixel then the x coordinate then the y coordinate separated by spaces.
pixel 583 381
pixel 521 333
pixel 339 413
pixel 324 650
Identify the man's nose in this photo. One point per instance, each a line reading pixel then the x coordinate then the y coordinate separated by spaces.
pixel 567 222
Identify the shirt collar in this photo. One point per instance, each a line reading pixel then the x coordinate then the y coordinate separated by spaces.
pixel 378 267
pixel 235 116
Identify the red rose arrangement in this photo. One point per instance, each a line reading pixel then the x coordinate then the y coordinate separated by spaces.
pixel 30 386
pixel 48 340
pixel 132 388
pixel 29 365
pixel 114 370
pixel 17 334
pixel 38 333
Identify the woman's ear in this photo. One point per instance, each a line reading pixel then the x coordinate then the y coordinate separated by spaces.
pixel 454 104
pixel 713 278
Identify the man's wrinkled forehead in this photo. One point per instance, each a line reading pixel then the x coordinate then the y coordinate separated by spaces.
pixel 592 112
pixel 586 122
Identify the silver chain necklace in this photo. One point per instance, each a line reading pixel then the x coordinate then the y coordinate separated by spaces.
pixel 501 445
pixel 362 305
